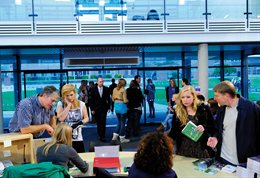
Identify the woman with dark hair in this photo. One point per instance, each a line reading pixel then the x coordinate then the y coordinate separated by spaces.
pixel 171 90
pixel 150 93
pixel 184 82
pixel 154 157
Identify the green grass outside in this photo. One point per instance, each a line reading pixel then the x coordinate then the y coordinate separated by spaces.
pixel 160 98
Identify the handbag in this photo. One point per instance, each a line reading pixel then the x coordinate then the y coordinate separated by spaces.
pixel 120 107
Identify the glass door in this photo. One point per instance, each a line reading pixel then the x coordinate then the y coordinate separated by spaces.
pixel 160 79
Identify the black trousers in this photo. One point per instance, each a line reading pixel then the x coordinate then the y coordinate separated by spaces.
pixel 133 122
pixel 101 117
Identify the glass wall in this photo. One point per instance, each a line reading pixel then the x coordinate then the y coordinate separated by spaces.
pixel 26 71
pixel 182 9
pixel 253 77
pixel 9 87
pixel 254 9
pixel 118 10
pixel 231 9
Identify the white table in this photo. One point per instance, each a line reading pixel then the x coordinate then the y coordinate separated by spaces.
pixel 182 165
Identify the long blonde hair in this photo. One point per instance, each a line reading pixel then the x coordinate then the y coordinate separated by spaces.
pixel 67 89
pixel 62 135
pixel 181 111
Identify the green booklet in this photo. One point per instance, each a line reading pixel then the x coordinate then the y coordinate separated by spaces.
pixel 191 132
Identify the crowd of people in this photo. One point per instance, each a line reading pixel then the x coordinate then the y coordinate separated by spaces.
pixel 225 123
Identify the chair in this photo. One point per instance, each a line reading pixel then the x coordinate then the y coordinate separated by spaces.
pixel 41 170
pixel 102 173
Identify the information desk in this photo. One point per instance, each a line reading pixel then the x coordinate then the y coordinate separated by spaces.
pixel 182 165
pixel 17 147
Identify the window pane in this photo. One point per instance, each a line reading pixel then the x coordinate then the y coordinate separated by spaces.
pixel 231 9
pixel 254 60
pixel 253 83
pixel 232 58
pixel 188 10
pixel 254 8
pixel 233 74
pixel 214 79
pixel 37 62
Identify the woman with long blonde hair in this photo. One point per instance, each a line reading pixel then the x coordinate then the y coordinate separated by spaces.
pixel 189 109
pixel 71 110
pixel 59 150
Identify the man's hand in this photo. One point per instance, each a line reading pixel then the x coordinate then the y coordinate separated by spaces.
pixel 212 142
pixel 49 129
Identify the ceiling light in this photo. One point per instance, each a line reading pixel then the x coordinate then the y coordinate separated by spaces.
pixel 18 2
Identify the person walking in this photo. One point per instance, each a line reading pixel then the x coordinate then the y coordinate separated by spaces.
pixel 120 99
pixel 100 106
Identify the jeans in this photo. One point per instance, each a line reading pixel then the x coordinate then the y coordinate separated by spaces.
pixel 167 123
pixel 120 128
pixel 151 108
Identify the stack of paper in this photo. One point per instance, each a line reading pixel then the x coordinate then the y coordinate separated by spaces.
pixel 229 168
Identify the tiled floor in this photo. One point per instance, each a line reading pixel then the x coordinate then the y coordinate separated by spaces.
pixel 91 138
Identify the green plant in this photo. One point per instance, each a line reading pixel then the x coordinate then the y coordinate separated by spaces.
pixel 117 76
pixel 93 77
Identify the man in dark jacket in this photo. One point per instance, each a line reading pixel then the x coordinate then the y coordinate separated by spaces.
pixel 238 125
pixel 134 105
pixel 111 88
pixel 100 105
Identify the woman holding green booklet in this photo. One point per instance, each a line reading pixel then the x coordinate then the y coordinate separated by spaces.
pixel 190 110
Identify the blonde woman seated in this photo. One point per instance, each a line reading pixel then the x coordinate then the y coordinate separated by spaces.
pixel 72 111
pixel 154 157
pixel 189 109
pixel 59 151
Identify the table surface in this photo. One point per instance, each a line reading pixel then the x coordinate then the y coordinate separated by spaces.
pixel 182 165
pixel 14 136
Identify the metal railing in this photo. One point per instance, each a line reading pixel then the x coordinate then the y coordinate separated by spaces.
pixel 127 27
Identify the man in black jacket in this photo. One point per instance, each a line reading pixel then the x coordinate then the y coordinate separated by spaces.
pixel 238 125
pixel 100 105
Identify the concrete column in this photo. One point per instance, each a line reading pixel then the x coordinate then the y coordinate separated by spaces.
pixel 203 69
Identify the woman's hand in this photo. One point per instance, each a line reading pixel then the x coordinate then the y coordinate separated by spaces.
pixel 67 101
pixel 200 128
